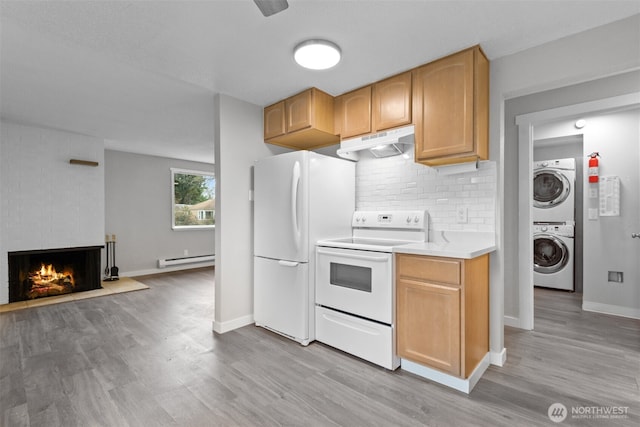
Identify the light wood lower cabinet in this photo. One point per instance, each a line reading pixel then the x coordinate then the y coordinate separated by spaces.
pixel 442 313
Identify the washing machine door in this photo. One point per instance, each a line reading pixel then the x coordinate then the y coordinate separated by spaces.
pixel 550 188
pixel 550 254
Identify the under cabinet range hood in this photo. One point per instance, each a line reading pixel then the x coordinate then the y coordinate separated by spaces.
pixel 382 144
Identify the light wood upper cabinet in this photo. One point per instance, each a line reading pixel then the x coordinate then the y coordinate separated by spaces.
pixel 442 312
pixel 354 112
pixel 392 102
pixel 274 120
pixel 446 100
pixel 451 109
pixel 303 121
pixel 298 110
pixel 383 105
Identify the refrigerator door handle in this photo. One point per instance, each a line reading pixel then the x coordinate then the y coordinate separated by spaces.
pixel 295 182
pixel 288 263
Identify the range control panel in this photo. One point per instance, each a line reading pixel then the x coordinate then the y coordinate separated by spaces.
pixel 390 219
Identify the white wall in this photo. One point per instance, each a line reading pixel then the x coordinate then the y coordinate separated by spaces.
pixel 617 138
pixel 593 54
pixel 400 183
pixel 46 202
pixel 239 143
pixel 4 273
pixel 138 211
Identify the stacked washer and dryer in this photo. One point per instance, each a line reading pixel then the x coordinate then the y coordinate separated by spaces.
pixel 554 223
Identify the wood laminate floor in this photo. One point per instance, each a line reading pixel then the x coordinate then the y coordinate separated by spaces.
pixel 150 359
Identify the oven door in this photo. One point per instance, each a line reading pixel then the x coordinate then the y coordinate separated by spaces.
pixel 356 282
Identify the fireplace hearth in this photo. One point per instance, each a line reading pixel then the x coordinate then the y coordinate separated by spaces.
pixel 48 272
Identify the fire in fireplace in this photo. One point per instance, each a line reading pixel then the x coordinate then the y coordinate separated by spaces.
pixel 47 281
pixel 42 273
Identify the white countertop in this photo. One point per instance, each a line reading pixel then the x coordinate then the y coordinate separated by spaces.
pixel 452 244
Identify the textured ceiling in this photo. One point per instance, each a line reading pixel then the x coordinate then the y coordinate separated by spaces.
pixel 142 74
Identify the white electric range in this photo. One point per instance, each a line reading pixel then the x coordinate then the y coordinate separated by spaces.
pixel 355 296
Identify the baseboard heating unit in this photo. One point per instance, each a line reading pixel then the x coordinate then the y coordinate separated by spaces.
pixel 168 262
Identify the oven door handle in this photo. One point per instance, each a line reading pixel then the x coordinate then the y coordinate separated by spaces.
pixel 288 263
pixel 353 255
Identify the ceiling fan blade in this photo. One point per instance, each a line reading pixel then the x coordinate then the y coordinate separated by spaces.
pixel 271 7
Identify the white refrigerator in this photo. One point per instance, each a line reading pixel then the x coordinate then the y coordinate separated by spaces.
pixel 299 198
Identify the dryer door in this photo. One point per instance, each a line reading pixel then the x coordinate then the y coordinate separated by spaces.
pixel 550 254
pixel 550 188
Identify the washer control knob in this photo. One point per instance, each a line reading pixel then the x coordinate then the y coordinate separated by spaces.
pixel 364 219
pixel 416 219
pixel 408 219
pixel 544 228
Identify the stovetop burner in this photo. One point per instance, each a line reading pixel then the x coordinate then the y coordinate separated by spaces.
pixel 382 231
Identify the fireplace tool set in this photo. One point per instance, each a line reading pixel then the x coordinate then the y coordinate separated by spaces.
pixel 111 271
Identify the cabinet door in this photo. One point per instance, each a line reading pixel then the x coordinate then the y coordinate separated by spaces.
pixel 298 111
pixel 428 322
pixel 443 107
pixel 274 120
pixel 355 112
pixel 392 102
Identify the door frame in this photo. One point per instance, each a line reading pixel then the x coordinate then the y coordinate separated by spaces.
pixel 526 124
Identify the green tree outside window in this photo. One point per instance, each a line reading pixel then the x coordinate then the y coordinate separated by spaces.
pixel 193 199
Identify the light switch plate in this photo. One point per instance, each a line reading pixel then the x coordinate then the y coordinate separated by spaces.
pixel 593 214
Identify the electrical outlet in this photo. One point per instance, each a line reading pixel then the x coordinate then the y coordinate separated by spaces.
pixel 615 277
pixel 185 252
pixel 461 215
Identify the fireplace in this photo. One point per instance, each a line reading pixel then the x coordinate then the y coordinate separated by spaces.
pixel 48 272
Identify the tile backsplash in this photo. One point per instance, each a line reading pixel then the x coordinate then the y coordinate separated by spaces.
pixel 398 182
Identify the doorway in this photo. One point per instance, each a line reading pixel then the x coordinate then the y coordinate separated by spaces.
pixel 604 232
pixel 546 148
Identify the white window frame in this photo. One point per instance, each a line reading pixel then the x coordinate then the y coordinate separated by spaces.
pixel 175 171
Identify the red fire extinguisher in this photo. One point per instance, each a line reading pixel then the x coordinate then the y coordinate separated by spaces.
pixel 593 167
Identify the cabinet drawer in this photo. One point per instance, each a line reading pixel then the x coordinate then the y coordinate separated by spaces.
pixel 439 270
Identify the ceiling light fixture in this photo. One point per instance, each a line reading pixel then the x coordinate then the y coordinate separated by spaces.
pixel 580 123
pixel 317 54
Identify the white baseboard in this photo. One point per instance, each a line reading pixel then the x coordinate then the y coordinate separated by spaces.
pixel 499 358
pixel 463 385
pixel 615 310
pixel 230 325
pixel 166 269
pixel 512 321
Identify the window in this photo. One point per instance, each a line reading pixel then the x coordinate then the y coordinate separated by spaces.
pixel 193 199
